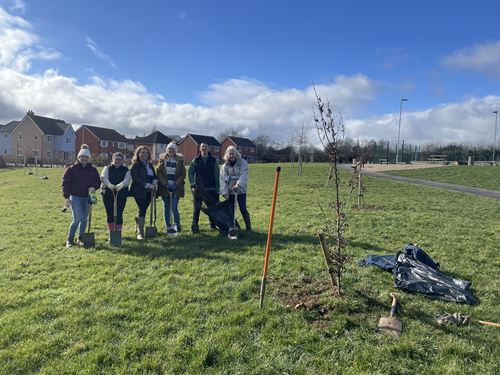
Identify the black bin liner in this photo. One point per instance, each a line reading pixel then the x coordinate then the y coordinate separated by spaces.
pixel 222 214
pixel 414 276
pixel 415 271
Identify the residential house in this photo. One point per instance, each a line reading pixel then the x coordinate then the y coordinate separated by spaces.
pixel 102 142
pixel 6 148
pixel 245 146
pixel 45 139
pixel 156 142
pixel 190 144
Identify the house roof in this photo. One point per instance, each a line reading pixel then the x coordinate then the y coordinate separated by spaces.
pixel 209 140
pixel 154 137
pixel 243 142
pixel 49 125
pixel 106 134
pixel 8 128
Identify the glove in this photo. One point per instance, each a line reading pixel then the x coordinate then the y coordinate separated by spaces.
pixel 92 196
pixel 111 187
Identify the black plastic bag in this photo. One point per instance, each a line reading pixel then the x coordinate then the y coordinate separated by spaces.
pixel 222 214
pixel 386 262
pixel 414 276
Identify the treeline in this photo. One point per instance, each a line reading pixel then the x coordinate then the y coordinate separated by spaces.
pixel 373 151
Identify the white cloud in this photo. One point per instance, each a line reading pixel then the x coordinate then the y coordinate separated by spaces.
pixel 467 122
pixel 484 58
pixel 95 49
pixel 18 6
pixel 19 45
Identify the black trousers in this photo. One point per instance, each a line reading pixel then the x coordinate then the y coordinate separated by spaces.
pixel 210 197
pixel 143 205
pixel 109 205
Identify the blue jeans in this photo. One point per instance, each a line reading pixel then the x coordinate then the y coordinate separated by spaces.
pixel 80 206
pixel 175 209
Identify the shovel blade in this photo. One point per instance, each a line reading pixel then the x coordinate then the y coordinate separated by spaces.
pixel 88 240
pixel 151 232
pixel 390 325
pixel 115 238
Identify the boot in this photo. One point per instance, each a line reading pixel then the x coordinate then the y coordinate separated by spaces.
pixel 141 220
pixel 70 242
pixel 248 224
pixel 79 242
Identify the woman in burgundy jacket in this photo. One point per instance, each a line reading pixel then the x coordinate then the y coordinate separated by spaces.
pixel 79 180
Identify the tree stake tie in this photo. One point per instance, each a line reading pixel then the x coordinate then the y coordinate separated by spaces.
pixel 269 237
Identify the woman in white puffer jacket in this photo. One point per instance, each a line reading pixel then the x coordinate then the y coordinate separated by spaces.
pixel 233 181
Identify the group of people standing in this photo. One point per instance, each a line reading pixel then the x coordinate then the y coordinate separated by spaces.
pixel 145 182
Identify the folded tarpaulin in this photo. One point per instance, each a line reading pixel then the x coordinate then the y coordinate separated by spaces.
pixel 222 214
pixel 415 271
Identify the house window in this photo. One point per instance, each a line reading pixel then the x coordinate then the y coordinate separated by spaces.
pixel 49 154
pixel 19 152
pixel 5 152
pixel 104 144
pixel 122 145
pixel 5 135
pixel 103 154
pixel 20 136
pixel 112 144
pixel 36 137
pixel 68 140
pixel 49 138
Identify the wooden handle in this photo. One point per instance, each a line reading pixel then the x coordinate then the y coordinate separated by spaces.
pixel 393 305
pixel 488 323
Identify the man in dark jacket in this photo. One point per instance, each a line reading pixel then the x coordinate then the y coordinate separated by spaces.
pixel 204 182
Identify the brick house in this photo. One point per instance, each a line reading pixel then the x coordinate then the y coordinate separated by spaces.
pixel 190 144
pixel 102 142
pixel 156 142
pixel 45 139
pixel 245 146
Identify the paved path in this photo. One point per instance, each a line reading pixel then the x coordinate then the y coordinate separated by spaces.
pixel 440 185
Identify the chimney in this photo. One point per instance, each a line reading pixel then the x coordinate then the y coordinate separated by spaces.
pixel 30 113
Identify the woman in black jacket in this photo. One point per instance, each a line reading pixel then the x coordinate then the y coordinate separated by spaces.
pixel 115 179
pixel 144 184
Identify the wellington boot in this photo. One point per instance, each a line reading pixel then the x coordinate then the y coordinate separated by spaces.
pixel 141 220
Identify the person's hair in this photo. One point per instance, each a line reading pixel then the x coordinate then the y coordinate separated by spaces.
pixel 118 154
pixel 231 148
pixel 138 151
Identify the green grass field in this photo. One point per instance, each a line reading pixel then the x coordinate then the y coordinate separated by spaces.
pixel 475 176
pixel 190 304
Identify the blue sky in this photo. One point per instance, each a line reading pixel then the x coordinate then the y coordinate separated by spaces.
pixel 204 66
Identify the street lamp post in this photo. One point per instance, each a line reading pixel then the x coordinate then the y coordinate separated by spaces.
pixel 399 128
pixel 495 136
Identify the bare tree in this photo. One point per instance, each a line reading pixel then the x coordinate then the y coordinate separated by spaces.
pixel 301 142
pixel 330 130
pixel 230 132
